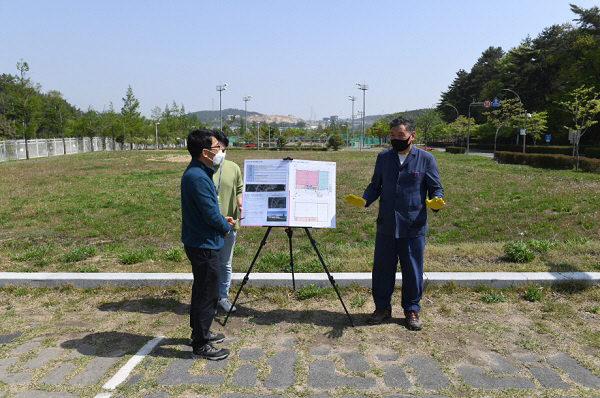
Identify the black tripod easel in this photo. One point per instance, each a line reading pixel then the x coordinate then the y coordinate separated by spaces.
pixel 289 232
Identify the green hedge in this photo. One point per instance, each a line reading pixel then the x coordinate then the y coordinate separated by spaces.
pixel 439 144
pixel 592 152
pixel 455 149
pixel 589 164
pixel 560 162
pixel 555 149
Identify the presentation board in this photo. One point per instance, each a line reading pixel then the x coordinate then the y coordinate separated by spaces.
pixel 289 193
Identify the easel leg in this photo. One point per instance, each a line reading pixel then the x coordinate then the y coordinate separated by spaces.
pixel 245 280
pixel 331 279
pixel 289 233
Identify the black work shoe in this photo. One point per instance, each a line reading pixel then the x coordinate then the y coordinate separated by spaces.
pixel 379 315
pixel 412 320
pixel 209 351
pixel 214 338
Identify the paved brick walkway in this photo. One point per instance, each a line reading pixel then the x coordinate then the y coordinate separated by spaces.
pixel 38 369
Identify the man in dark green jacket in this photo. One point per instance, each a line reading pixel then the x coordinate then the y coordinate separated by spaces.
pixel 202 231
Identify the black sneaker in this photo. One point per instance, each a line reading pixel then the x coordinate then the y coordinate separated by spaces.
pixel 210 352
pixel 379 315
pixel 413 322
pixel 214 338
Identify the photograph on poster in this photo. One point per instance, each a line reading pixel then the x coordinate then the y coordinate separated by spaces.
pixel 277 203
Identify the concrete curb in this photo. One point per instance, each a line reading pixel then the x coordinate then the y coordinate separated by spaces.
pixel 90 280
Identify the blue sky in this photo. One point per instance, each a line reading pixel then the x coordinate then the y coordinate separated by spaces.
pixel 293 57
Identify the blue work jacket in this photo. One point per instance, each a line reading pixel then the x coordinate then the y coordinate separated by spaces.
pixel 202 225
pixel 402 191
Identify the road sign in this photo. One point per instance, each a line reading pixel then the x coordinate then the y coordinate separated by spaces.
pixel 495 102
pixel 548 137
pixel 487 104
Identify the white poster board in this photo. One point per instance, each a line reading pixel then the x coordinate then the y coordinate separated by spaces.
pixel 289 193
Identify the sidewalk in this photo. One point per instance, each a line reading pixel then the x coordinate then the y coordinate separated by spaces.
pixel 327 370
pixel 90 280
pixel 133 342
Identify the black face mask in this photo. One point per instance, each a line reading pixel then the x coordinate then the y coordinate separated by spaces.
pixel 400 145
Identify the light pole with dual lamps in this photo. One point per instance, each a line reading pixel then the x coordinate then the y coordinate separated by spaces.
pixel 351 98
pixel 246 99
pixel 220 89
pixel 156 129
pixel 452 106
pixel 364 89
pixel 524 131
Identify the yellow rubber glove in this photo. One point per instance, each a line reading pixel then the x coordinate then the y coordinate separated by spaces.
pixel 355 200
pixel 435 203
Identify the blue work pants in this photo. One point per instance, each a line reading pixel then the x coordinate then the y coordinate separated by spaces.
pixel 388 251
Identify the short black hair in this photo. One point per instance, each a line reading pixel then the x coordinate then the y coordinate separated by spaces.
pixel 221 137
pixel 197 140
pixel 408 122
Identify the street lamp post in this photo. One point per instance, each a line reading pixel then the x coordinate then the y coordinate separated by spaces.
pixel 454 109
pixel 364 89
pixel 469 122
pixel 156 127
pixel 351 98
pixel 524 117
pixel 220 89
pixel 246 99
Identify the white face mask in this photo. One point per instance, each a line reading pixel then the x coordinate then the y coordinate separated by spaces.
pixel 218 158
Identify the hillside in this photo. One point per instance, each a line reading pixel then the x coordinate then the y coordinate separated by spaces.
pixel 213 116
pixel 210 117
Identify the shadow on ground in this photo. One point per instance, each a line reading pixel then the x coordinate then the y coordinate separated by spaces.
pixel 337 321
pixel 116 344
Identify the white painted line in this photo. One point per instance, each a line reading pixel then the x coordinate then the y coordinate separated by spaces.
pixel 122 374
pixel 104 395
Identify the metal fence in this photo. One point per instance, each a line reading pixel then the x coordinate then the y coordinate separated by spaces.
pixel 15 150
pixel 39 148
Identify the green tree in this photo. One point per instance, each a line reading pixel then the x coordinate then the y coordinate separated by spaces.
pixel 582 105
pixel 426 121
pixel 110 122
pixel 537 125
pixel 131 117
pixel 380 129
pixel 57 114
pixel 459 129
pixel 335 142
pixel 504 116
pixel 26 105
pixel 282 141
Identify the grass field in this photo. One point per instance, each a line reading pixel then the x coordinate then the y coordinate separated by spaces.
pixel 120 212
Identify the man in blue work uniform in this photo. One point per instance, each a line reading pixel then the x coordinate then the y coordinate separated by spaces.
pixel 406 180
pixel 202 231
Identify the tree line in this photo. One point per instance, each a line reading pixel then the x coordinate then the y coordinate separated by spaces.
pixel 548 84
pixel 27 113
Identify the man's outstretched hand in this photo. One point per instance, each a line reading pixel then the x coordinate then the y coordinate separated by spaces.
pixel 355 200
pixel 435 203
